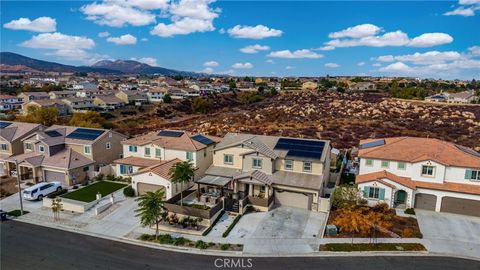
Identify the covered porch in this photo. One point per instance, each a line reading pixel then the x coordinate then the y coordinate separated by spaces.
pixel 26 171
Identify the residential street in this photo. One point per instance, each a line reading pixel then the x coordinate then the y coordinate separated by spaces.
pixel 25 246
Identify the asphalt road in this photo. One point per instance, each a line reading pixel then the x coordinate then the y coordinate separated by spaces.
pixel 25 246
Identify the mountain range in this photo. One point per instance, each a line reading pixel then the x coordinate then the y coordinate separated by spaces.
pixel 16 63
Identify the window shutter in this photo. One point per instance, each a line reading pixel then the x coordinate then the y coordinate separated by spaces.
pixel 468 174
pixel 381 193
pixel 365 192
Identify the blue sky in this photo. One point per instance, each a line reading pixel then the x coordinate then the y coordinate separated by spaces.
pixel 279 38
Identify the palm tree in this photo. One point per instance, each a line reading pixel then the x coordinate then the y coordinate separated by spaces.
pixel 182 172
pixel 151 210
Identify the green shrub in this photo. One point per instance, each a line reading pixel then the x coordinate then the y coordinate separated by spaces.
pixel 235 221
pixel 180 241
pixel 111 177
pixel 164 239
pixel 128 191
pixel 17 213
pixel 99 177
pixel 147 237
pixel 225 246
pixel 410 211
pixel 201 245
pixel 56 193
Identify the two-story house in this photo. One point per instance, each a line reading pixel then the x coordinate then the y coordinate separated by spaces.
pixel 143 154
pixel 263 171
pixel 47 103
pixel 62 94
pixel 66 154
pixel 29 96
pixel 8 103
pixel 11 136
pixel 423 173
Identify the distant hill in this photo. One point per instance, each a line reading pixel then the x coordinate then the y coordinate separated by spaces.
pixel 12 62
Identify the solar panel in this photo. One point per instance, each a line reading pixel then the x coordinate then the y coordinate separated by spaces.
pixel 4 124
pixel 304 154
pixel 202 139
pixel 372 144
pixel 85 134
pixel 170 133
pixel 299 148
pixel 53 133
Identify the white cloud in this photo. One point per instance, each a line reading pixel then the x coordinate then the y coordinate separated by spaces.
pixel 188 16
pixel 144 39
pixel 103 34
pixel 64 46
pixel 253 32
pixel 397 67
pixel 208 70
pixel 326 48
pixel 427 58
pixel 211 64
pixel 270 61
pixel 369 35
pixel 246 65
pixel 361 64
pixel 295 54
pixel 289 67
pixel 254 48
pixel 146 4
pixel 332 65
pixel 467 8
pixel 117 14
pixel 430 39
pixel 377 65
pixel 475 50
pixel 358 31
pixel 41 24
pixel 147 60
pixel 123 40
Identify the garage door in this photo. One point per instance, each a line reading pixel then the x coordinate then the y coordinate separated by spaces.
pixel 425 201
pixel 52 176
pixel 460 206
pixel 293 199
pixel 143 188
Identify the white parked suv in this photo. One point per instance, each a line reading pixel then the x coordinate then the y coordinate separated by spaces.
pixel 40 190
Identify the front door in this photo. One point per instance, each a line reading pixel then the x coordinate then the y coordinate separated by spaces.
pixel 401 197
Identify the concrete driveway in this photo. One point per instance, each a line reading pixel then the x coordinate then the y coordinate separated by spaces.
pixel 284 230
pixel 450 233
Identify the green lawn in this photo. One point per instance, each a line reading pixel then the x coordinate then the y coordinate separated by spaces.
pixel 373 247
pixel 88 193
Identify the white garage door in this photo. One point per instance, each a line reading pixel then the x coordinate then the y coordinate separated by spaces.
pixel 293 199
pixel 52 176
pixel 143 188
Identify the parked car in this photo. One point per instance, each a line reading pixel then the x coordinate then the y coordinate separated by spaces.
pixel 40 190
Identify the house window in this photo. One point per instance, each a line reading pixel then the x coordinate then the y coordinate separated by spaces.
pixel 288 164
pixel 87 149
pixel 374 193
pixel 85 169
pixel 428 170
pixel 385 164
pixel 132 148
pixel 228 159
pixel 262 189
pixel 189 156
pixel 369 162
pixel 401 165
pixel 147 151
pixel 307 166
pixel 41 148
pixel 28 146
pixel 158 153
pixel 4 147
pixel 108 145
pixel 204 152
pixel 257 163
pixel 473 175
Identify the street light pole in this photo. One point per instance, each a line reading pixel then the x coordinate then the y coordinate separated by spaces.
pixel 19 187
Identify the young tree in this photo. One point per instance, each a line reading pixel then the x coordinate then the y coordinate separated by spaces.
pixel 201 105
pixel 167 98
pixel 182 172
pixel 151 210
pixel 57 206
pixel 352 221
pixel 378 221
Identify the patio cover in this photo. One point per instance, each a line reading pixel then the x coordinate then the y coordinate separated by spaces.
pixel 214 180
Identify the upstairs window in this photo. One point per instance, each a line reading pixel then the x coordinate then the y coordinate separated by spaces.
pixel 108 145
pixel 189 156
pixel 288 164
pixel 401 165
pixel 307 166
pixel 472 175
pixel 257 163
pixel 28 146
pixel 228 159
pixel 132 148
pixel 158 153
pixel 4 147
pixel 87 149
pixel 428 170
pixel 369 162
pixel 41 148
pixel 147 151
pixel 385 164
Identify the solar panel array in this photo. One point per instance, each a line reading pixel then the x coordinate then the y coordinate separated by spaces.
pixel 85 134
pixel 301 148
pixel 4 124
pixel 53 133
pixel 202 139
pixel 372 144
pixel 170 133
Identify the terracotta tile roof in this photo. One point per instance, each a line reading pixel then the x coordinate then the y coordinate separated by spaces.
pixel 184 142
pixel 369 177
pixel 162 169
pixel 138 161
pixel 414 149
pixel 413 184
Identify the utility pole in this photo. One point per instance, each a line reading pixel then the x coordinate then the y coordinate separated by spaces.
pixel 19 187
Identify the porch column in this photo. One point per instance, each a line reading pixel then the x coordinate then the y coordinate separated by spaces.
pixel 34 175
pixel 439 203
pixel 235 190
pixel 267 192
pixel 250 190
